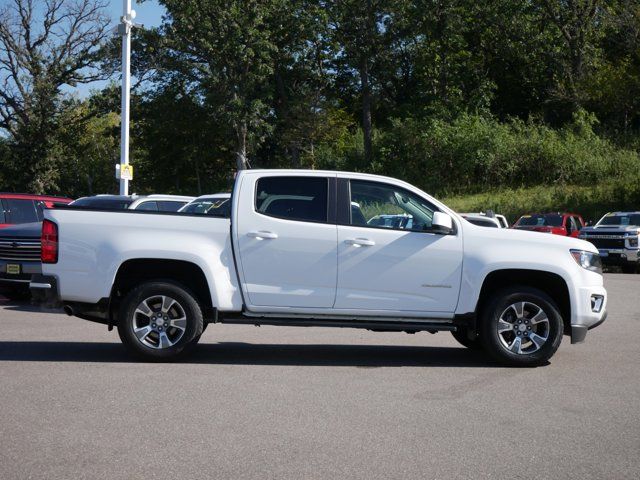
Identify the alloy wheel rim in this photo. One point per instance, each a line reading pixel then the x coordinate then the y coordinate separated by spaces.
pixel 523 328
pixel 159 322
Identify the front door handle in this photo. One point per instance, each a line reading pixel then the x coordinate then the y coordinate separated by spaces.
pixel 262 235
pixel 360 242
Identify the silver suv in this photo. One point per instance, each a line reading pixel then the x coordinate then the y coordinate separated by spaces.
pixel 616 237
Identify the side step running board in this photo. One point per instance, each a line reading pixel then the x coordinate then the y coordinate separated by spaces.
pixel 385 326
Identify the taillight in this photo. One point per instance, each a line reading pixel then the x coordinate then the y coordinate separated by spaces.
pixel 49 242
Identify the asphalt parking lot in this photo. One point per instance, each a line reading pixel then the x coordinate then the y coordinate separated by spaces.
pixel 293 403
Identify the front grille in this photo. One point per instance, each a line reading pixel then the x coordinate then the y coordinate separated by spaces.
pixel 607 242
pixel 17 249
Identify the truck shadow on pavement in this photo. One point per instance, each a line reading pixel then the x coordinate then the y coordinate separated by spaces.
pixel 232 353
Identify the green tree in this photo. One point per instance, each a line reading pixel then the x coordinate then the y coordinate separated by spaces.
pixel 578 23
pixel 358 37
pixel 227 50
pixel 43 48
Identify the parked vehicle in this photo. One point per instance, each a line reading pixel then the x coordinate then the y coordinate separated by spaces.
pixel 19 258
pixel 402 221
pixel 501 219
pixel 481 221
pixel 565 224
pixel 218 204
pixel 17 208
pixel 616 238
pixel 152 203
pixel 294 253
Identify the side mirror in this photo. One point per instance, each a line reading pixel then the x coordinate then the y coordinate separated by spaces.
pixel 442 223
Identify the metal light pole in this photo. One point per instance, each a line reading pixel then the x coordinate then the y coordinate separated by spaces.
pixel 126 23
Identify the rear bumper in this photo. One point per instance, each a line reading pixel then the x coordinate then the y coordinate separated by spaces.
pixel 27 269
pixel 44 291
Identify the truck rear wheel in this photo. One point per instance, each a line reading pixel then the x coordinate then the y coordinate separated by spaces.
pixel 159 321
pixel 521 327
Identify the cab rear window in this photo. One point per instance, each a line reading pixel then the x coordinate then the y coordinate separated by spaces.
pixel 293 198
pixel 21 211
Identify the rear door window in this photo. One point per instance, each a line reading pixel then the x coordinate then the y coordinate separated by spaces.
pixel 21 211
pixel 293 198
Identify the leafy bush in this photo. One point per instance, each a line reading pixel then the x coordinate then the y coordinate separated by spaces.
pixel 474 153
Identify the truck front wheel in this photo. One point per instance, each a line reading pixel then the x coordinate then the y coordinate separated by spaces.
pixel 521 327
pixel 159 321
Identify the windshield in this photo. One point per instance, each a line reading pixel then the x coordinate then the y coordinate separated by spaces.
pixel 548 220
pixel 622 220
pixel 209 206
pixel 103 203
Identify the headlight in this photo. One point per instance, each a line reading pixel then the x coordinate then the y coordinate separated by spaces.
pixel 590 261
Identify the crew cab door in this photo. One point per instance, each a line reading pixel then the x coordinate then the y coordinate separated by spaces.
pixel 388 259
pixel 285 239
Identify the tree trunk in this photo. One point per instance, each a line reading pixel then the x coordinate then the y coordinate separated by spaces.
pixel 242 162
pixel 198 181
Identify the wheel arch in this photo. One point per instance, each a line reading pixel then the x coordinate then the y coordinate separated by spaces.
pixel 548 282
pixel 133 272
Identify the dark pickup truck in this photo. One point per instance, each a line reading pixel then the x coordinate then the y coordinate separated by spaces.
pixel 19 257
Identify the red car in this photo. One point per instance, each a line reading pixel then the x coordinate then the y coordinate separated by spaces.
pixel 16 208
pixel 567 224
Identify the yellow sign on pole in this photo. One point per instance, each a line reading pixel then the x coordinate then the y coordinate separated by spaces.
pixel 124 172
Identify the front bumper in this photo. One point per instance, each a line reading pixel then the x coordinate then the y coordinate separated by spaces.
pixel 579 332
pixel 623 256
pixel 587 313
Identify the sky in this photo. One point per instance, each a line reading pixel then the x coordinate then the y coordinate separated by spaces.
pixel 148 13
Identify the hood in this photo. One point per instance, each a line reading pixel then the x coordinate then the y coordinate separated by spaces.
pixel 22 230
pixel 528 236
pixel 611 228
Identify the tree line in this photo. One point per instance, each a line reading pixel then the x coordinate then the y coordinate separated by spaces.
pixel 456 96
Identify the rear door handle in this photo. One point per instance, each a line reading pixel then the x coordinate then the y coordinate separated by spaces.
pixel 262 235
pixel 360 242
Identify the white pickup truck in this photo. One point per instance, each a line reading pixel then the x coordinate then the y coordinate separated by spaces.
pixel 298 251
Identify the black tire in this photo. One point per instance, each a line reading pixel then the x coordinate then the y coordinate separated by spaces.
pixel 629 269
pixel 532 298
pixel 185 306
pixel 463 339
